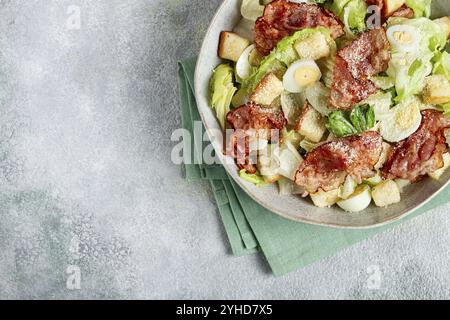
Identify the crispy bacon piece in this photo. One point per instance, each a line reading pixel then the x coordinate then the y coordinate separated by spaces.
pixel 252 120
pixel 282 18
pixel 404 12
pixel 348 90
pixel 378 3
pixel 254 116
pixel 327 166
pixel 367 55
pixel 421 153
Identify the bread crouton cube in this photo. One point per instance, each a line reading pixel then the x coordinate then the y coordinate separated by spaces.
pixel 444 23
pixel 386 193
pixel 436 90
pixel 231 45
pixel 314 47
pixel 323 199
pixel 311 124
pixel 267 90
pixel 436 175
pixel 390 6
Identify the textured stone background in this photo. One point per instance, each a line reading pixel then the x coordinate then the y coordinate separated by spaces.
pixel 86 179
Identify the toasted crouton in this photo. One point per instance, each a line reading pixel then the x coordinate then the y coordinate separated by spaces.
pixel 323 199
pixel 314 47
pixel 231 45
pixel 436 90
pixel 439 172
pixel 311 124
pixel 267 90
pixel 386 193
pixel 444 23
pixel 390 6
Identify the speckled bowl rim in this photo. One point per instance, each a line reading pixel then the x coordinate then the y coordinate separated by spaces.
pixel 232 171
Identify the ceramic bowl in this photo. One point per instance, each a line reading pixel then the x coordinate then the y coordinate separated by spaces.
pixel 294 207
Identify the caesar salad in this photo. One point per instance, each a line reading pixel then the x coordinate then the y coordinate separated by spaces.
pixel 346 102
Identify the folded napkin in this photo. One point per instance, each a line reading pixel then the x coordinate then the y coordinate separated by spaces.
pixel 286 245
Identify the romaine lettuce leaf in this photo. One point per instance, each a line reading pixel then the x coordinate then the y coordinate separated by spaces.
pixel 352 13
pixel 254 178
pixel 422 8
pixel 292 136
pixel 360 119
pixel 446 109
pixel 309 146
pixel 339 124
pixel 409 69
pixel 222 90
pixel 409 78
pixel 363 118
pixel 317 95
pixel 251 9
pixel 355 16
pixel 442 64
pixel 337 6
pixel 383 82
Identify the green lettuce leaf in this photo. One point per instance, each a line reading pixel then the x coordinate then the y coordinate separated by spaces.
pixel 410 78
pixel 410 69
pixel 362 118
pixel 339 125
pixel 222 90
pixel 422 8
pixel 254 178
pixel 337 6
pixel 446 109
pixel 352 13
pixel 442 64
pixel 355 16
pixel 251 9
pixel 383 82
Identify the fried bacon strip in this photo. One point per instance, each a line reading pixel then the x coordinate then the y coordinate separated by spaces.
pixel 367 55
pixel 252 120
pixel 422 152
pixel 327 166
pixel 282 18
pixel 404 12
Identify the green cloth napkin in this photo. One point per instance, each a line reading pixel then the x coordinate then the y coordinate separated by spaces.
pixel 285 244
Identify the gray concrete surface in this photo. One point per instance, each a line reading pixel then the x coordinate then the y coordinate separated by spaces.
pixel 88 191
